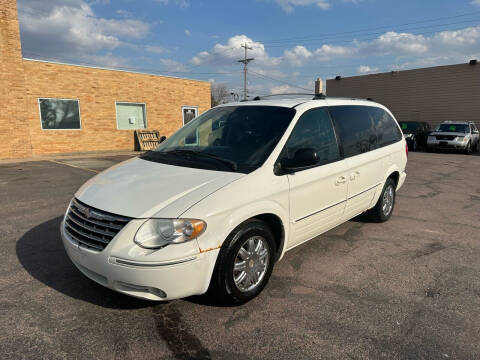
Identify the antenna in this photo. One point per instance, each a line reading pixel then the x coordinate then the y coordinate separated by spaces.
pixel 245 62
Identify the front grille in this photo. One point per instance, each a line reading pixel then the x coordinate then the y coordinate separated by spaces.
pixel 92 228
pixel 445 137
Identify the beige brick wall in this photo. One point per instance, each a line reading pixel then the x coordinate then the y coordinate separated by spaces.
pixel 433 94
pixel 22 82
pixel 14 134
pixel 97 91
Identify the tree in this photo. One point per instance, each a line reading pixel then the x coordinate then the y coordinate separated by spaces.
pixel 220 94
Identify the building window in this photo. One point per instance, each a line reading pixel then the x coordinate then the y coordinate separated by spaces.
pixel 189 113
pixel 58 114
pixel 131 116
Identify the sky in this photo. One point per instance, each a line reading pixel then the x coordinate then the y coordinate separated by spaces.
pixel 293 41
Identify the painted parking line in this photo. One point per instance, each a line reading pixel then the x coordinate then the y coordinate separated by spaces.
pixel 74 166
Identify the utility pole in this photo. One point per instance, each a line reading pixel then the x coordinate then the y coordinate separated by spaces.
pixel 245 62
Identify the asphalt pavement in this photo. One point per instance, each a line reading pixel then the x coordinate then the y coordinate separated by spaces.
pixel 405 289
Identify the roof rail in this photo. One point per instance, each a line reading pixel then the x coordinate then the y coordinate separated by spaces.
pixel 315 96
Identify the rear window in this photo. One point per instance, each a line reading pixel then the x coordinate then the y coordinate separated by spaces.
pixel 356 129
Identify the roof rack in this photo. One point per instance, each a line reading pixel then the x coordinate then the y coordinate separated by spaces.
pixel 315 96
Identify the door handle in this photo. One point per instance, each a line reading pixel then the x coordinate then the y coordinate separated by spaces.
pixel 354 175
pixel 341 180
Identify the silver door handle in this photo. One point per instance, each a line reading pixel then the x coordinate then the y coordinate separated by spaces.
pixel 341 180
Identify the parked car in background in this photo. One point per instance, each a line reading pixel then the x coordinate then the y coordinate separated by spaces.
pixel 222 199
pixel 458 135
pixel 416 133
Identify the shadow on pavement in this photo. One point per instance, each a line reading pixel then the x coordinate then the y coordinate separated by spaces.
pixel 41 253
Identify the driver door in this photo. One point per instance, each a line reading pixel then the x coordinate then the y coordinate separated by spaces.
pixel 318 194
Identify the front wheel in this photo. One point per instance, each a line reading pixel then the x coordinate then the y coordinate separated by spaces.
pixel 244 264
pixel 414 144
pixel 384 207
pixel 468 149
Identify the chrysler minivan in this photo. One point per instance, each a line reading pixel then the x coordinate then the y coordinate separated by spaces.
pixel 217 204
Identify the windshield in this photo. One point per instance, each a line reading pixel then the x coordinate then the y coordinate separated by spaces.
pixel 412 126
pixel 459 128
pixel 231 138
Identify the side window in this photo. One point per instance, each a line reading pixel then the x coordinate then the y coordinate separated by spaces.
pixel 314 130
pixel 385 127
pixel 356 129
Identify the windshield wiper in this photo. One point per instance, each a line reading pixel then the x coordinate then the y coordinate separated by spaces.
pixel 230 163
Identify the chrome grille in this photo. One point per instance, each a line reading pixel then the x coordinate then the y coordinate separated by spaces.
pixel 445 137
pixel 92 228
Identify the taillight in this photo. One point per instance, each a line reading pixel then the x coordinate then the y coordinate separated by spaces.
pixel 406 149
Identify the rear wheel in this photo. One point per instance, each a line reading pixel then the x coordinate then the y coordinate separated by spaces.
pixel 244 264
pixel 384 207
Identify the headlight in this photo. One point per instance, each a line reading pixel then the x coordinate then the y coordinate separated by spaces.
pixel 157 233
pixel 461 138
pixel 431 138
pixel 407 136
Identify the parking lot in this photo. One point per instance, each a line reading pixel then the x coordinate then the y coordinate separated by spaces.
pixel 408 288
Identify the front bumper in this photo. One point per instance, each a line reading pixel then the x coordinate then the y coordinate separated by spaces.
pixel 152 280
pixel 447 144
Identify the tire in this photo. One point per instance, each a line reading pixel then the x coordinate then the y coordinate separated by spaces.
pixel 378 213
pixel 223 286
pixel 468 149
pixel 475 148
pixel 414 144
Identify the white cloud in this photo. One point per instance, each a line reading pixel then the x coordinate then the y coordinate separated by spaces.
pixel 364 69
pixel 55 29
pixel 475 2
pixel 187 32
pixel 329 52
pixel 457 44
pixel 172 65
pixel 297 56
pixel 233 50
pixel 155 49
pixel 180 3
pixel 289 5
pixel 282 89
pixel 392 43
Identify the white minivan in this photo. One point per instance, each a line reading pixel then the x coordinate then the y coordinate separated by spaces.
pixel 220 201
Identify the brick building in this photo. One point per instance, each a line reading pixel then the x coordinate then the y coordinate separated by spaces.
pixel 60 108
pixel 432 94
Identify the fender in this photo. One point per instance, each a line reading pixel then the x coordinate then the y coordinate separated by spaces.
pixel 391 169
pixel 228 221
pixel 209 243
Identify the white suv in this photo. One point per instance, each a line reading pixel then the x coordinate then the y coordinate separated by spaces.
pixel 220 201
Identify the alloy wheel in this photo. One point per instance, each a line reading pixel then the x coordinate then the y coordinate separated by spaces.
pixel 251 263
pixel 387 202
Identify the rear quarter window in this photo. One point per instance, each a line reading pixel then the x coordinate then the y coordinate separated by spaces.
pixel 386 127
pixel 356 129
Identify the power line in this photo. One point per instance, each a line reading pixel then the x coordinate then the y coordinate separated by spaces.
pixel 324 39
pixel 278 80
pixel 375 28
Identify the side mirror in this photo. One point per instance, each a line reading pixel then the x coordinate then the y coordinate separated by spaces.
pixel 475 131
pixel 303 158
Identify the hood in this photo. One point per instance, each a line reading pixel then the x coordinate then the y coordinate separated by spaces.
pixel 139 188
pixel 447 133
